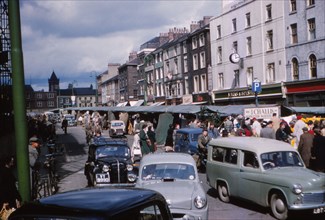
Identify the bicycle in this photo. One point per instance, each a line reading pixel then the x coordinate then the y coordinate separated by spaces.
pixel 40 186
pixel 52 177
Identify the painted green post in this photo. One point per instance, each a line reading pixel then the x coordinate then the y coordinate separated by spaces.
pixel 18 91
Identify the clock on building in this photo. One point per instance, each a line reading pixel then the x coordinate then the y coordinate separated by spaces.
pixel 234 58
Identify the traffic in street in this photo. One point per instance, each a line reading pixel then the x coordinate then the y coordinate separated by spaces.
pixel 71 171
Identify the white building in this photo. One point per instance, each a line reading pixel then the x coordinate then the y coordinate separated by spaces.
pixel 253 29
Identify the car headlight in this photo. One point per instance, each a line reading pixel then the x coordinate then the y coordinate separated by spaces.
pixel 200 202
pixel 297 189
pixel 132 178
pixel 129 167
pixel 105 168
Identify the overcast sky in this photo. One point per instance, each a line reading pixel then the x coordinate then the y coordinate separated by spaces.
pixel 74 38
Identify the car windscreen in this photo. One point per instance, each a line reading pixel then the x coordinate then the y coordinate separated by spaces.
pixel 281 159
pixel 168 171
pixel 114 151
pixel 117 124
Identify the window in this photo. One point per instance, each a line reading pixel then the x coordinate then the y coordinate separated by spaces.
pixel 221 81
pixel 310 2
pixel 270 77
pixel 50 95
pixel 195 62
pixel 167 67
pixel 176 66
pixel 250 160
pixel 311 29
pixel 194 43
pixel 248 20
pixel 313 66
pixel 294 36
pixel 219 54
pixel 50 104
pixel 249 73
pixel 234 25
pixel 202 60
pixel 187 91
pixel 236 78
pixel 167 54
pixel 38 95
pixel 295 69
pixel 202 40
pixel 203 83
pixel 235 47
pixel 175 50
pixel 185 64
pixel 269 12
pixel 184 47
pixel 218 31
pixel 293 5
pixel 196 83
pixel 39 104
pixel 269 39
pixel 249 46
pixel 218 154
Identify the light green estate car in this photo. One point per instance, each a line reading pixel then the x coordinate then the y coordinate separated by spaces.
pixel 268 172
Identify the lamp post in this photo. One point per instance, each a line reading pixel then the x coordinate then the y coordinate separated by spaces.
pixel 96 86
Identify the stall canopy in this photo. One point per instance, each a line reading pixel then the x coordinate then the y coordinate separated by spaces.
pixel 183 109
pixel 319 110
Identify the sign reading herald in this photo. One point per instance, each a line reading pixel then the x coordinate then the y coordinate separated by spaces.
pixel 261 112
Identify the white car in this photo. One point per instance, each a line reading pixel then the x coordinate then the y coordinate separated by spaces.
pixel 117 128
pixel 175 176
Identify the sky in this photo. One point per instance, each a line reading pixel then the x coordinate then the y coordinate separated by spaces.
pixel 78 38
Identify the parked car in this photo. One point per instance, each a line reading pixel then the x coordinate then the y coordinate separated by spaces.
pixel 97 203
pixel 186 140
pixel 109 161
pixel 268 172
pixel 116 128
pixel 175 176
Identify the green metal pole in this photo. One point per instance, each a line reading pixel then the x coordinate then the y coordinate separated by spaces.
pixel 18 91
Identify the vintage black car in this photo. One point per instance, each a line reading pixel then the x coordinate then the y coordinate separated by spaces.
pixel 109 162
pixel 97 203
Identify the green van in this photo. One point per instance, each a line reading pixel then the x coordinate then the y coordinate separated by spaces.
pixel 268 172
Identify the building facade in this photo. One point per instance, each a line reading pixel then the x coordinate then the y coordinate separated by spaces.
pixel 251 32
pixel 305 52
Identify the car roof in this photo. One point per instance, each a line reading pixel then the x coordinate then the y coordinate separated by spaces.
pixel 169 157
pixel 103 201
pixel 189 130
pixel 102 141
pixel 255 144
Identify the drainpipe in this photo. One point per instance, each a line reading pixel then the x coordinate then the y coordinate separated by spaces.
pixel 19 107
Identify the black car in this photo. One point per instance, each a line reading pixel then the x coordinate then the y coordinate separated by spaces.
pixel 97 203
pixel 109 162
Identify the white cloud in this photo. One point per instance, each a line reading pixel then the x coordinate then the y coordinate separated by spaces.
pixel 74 37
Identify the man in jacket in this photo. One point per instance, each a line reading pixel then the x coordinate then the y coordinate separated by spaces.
pixel 305 145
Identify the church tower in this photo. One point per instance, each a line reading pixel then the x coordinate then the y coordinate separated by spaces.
pixel 54 83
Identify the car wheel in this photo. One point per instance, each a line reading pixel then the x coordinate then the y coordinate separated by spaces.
pixel 278 206
pixel 223 192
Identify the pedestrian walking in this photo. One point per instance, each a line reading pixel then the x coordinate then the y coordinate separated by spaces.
pixel 213 131
pixel 267 131
pixel 256 127
pixel 318 151
pixel 276 122
pixel 298 128
pixel 169 143
pixel 152 137
pixel 144 140
pixel 280 134
pixel 305 145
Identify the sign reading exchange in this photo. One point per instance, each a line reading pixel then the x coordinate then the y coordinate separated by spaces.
pixel 261 113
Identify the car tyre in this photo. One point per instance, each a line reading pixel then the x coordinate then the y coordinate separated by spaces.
pixel 278 206
pixel 223 192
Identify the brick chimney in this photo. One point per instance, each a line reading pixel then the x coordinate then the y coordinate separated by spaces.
pixel 132 55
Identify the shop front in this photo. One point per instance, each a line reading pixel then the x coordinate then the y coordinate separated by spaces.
pixel 270 94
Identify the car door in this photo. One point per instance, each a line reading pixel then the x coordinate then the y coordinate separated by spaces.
pixel 249 177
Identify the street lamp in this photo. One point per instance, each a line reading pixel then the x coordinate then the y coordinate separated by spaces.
pixel 96 86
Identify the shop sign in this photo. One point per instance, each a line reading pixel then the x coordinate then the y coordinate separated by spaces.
pixel 261 112
pixel 240 93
